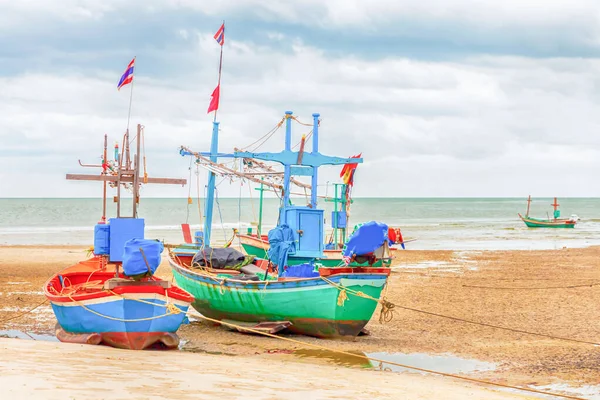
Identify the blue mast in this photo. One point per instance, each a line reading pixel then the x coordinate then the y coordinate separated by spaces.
pixel 307 221
pixel 315 148
pixel 210 193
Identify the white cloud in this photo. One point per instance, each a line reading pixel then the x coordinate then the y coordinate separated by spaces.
pixel 482 126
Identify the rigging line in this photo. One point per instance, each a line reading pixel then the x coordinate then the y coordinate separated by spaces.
pixel 198 193
pixel 277 126
pixel 308 136
pixel 498 326
pixel 258 146
pixel 220 214
pixel 533 288
pixel 304 123
pixel 187 213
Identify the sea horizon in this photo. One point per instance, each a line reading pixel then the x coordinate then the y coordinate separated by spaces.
pixel 440 223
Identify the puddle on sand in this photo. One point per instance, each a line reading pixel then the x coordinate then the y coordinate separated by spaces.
pixel 440 363
pixel 335 358
pixel 591 392
pixel 184 345
pixel 14 334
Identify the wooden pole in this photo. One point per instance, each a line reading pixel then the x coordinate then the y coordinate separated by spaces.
pixel 104 168
pixel 136 179
pixel 528 204
pixel 220 68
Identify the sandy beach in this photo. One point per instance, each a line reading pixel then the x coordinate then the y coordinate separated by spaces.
pixel 555 293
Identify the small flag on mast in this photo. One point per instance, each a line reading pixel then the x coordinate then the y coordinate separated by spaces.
pixel 220 35
pixel 214 102
pixel 127 76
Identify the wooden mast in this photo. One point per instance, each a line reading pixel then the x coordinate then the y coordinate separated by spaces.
pixel 528 205
pixel 124 174
pixel 104 168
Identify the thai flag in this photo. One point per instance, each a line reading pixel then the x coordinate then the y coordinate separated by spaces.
pixel 220 35
pixel 127 76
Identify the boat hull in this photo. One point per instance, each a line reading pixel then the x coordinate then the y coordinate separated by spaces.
pixel 540 223
pixel 331 258
pixel 127 324
pixel 133 315
pixel 312 305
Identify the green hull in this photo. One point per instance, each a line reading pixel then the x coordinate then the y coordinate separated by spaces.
pixel 259 252
pixel 310 304
pixel 541 223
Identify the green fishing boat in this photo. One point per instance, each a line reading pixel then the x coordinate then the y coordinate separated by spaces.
pixel 555 222
pixel 282 291
pixel 309 306
pixel 285 291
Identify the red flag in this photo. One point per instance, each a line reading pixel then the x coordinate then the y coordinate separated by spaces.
pixel 347 173
pixel 214 102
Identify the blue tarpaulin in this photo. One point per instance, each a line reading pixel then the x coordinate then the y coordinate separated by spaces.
pixel 281 241
pixel 306 270
pixel 133 261
pixel 366 239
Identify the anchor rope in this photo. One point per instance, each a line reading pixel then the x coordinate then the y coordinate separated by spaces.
pixel 364 357
pixel 388 309
pixel 23 313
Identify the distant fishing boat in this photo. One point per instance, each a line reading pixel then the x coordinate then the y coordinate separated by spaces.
pixel 555 222
pixel 113 298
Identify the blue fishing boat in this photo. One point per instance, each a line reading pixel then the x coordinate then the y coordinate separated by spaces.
pixel 113 297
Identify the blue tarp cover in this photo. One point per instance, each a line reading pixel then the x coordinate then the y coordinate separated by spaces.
pixel 306 270
pixel 366 239
pixel 281 241
pixel 133 262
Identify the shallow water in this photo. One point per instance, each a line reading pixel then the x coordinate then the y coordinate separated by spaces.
pixel 591 392
pixel 440 363
pixel 442 223
pixel 15 334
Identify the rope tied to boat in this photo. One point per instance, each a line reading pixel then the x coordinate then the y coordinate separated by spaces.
pixel 387 311
pixel 342 297
pixel 170 308
pixel 166 314
pixel 387 308
pixel 384 362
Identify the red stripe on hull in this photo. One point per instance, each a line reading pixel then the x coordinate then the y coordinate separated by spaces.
pixel 121 340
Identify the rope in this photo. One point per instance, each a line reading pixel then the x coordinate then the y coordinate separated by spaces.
pixel 187 212
pixel 266 137
pixel 220 214
pixel 305 139
pixel 23 313
pixel 198 193
pixel 304 123
pixel 243 328
pixel 166 314
pixel 342 298
pixel 533 288
pixel 498 326
pixel 388 308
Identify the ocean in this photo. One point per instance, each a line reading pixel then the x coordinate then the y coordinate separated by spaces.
pixel 434 223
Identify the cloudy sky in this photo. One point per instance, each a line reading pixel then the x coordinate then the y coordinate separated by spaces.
pixel 442 97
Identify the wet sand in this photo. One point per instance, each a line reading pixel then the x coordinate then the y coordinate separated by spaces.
pixel 44 370
pixel 552 292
